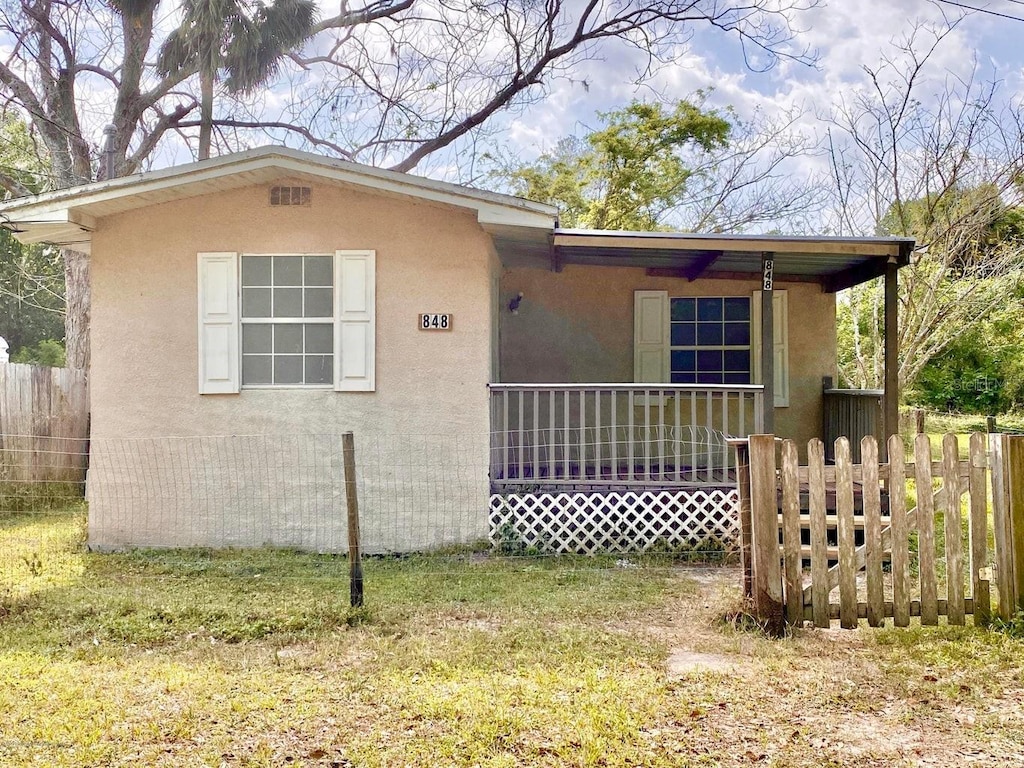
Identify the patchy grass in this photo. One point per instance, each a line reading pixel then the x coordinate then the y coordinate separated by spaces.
pixel 254 659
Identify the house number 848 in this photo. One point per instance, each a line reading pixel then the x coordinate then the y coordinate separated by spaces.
pixel 434 321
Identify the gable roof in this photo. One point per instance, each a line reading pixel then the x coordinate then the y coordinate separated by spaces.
pixel 68 217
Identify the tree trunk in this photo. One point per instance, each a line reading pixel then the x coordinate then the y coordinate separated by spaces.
pixel 78 299
pixel 206 114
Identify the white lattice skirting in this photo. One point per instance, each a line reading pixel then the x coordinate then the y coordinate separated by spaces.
pixel 591 523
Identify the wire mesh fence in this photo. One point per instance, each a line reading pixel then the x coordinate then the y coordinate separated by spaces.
pixel 66 504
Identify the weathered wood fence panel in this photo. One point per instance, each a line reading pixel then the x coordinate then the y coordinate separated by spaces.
pixel 44 423
pixel 1008 521
pixel 798 581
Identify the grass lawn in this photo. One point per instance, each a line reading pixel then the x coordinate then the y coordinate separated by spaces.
pixel 254 659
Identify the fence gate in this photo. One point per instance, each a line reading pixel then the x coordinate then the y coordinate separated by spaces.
pixel 907 537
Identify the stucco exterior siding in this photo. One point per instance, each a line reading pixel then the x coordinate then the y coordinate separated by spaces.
pixel 576 326
pixel 429 258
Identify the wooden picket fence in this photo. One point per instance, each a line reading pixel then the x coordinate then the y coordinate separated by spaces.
pixel 808 530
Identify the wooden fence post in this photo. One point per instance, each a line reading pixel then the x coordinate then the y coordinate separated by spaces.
pixel 1001 526
pixel 899 533
pixel 845 535
pixel 918 421
pixel 953 531
pixel 978 531
pixel 816 497
pixel 926 532
pixel 767 567
pixel 1013 466
pixel 872 502
pixel 743 489
pixel 355 564
pixel 792 557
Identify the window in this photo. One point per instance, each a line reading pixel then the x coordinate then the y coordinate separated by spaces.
pixel 707 340
pixel 710 340
pixel 287 320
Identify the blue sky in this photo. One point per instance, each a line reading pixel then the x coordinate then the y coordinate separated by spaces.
pixel 846 34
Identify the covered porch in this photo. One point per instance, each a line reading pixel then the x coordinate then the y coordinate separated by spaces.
pixel 625 361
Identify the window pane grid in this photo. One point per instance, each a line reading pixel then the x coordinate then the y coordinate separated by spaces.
pixel 287 321
pixel 710 340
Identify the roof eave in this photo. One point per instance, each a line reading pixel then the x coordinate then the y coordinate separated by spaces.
pixel 70 205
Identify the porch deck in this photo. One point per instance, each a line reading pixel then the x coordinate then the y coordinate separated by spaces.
pixel 618 436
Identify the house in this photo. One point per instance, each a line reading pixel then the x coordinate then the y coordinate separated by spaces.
pixel 244 305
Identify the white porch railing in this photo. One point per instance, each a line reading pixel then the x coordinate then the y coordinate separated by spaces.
pixel 619 434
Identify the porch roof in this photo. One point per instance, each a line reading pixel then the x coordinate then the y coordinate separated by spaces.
pixel 833 262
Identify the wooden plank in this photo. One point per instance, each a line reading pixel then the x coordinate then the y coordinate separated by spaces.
pixel 900 543
pixel 767 569
pixel 1001 526
pixel 819 558
pixel 978 531
pixel 926 531
pixel 872 529
pixel 953 531
pixel 847 562
pixel 792 561
pixel 915 608
pixel 938 498
pixel 910 471
pixel 831 552
pixel 743 490
pixel 355 562
pixel 1014 469
pixel 832 521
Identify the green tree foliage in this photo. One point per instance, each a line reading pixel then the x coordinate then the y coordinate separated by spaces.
pixel 31 276
pixel 982 372
pixel 630 172
pixel 957 299
pixel 245 41
pixel 943 168
pixel 49 352
pixel 31 293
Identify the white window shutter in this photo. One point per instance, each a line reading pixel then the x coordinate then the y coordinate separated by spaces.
pixel 650 337
pixel 218 323
pixel 780 321
pixel 355 331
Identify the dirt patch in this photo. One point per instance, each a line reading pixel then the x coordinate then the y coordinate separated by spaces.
pixel 682 662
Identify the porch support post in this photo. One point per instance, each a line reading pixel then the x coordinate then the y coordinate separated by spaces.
pixel 891 398
pixel 768 339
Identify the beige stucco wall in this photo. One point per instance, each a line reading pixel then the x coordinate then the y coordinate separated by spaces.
pixel 577 326
pixel 421 437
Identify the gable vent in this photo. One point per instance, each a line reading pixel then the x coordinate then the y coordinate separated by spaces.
pixel 290 196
